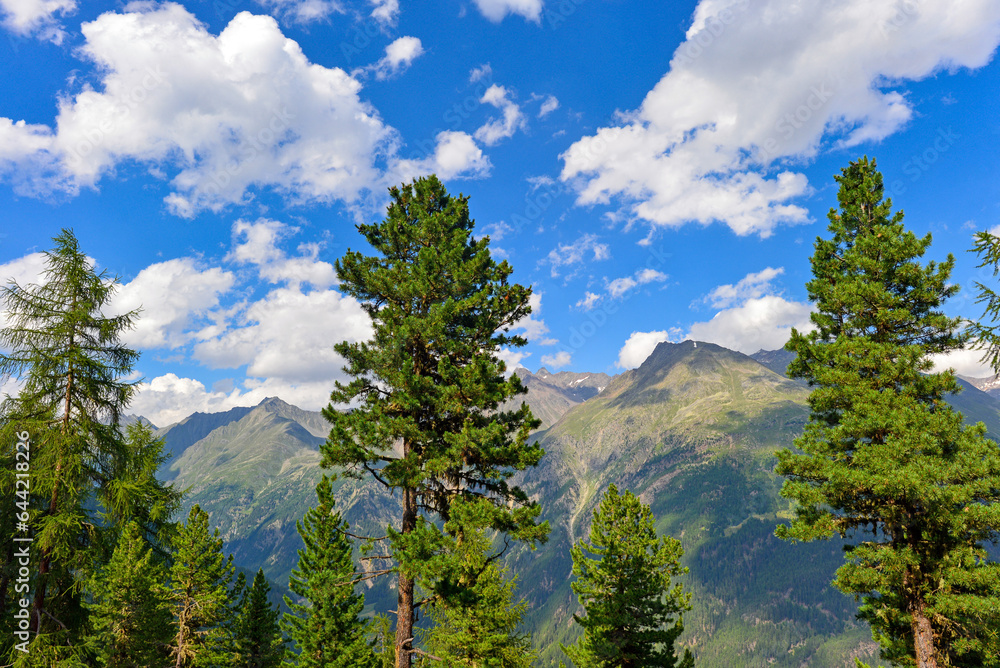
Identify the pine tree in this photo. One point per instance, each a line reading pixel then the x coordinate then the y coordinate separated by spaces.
pixel 430 381
pixel 633 614
pixel 477 623
pixel 129 611
pixel 325 627
pixel 258 639
pixel 200 595
pixel 71 364
pixel 885 461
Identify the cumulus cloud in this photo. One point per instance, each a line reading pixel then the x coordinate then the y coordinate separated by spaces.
pixel 455 155
pixel 966 362
pixel 496 10
pixel 36 17
pixel 751 286
pixel 512 120
pixel 220 116
pixel 619 286
pixel 24 271
pixel 638 347
pixel 175 298
pixel 531 327
pixel 569 255
pixel 399 55
pixel 256 243
pixel 558 360
pixel 707 142
pixel 385 11
pixel 760 323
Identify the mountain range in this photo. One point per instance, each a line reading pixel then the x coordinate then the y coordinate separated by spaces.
pixel 693 431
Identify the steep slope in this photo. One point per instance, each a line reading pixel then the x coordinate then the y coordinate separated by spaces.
pixel 693 431
pixel 550 395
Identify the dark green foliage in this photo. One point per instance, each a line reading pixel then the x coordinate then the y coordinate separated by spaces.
pixel 129 611
pixel 86 476
pixel 430 381
pixel 633 613
pixel 200 596
pixel 325 626
pixel 476 621
pixel 986 332
pixel 885 460
pixel 258 639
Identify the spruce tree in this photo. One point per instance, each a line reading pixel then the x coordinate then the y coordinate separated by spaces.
pixel 624 584
pixel 129 612
pixel 325 626
pixel 428 386
pixel 258 639
pixel 200 595
pixel 884 460
pixel 73 367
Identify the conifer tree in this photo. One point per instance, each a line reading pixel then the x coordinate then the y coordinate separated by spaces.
pixel 325 627
pixel 477 623
pixel 200 595
pixel 430 382
pixel 129 612
pixel 885 461
pixel 71 363
pixel 258 639
pixel 633 614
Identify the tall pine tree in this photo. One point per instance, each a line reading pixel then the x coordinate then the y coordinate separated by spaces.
pixel 325 626
pixel 428 386
pixel 258 639
pixel 633 612
pixel 129 611
pixel 885 461
pixel 200 595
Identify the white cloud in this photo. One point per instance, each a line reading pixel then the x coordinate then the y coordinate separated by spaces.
pixel 25 271
pixel 28 17
pixel 534 329
pixel 589 301
pixel 222 115
pixel 548 106
pixel 399 55
pixel 557 361
pixel 749 287
pixel 303 11
pixel 256 243
pixel 496 129
pixel 639 346
pixel 456 155
pixel 965 362
pixel 703 145
pixel 567 255
pixel 496 10
pixel 385 11
pixel 760 323
pixel 481 72
pixel 175 296
pixel 512 359
pixel 620 286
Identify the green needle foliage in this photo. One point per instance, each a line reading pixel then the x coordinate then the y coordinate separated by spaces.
pixel 429 384
pixel 200 595
pixel 325 626
pixel 129 612
pixel 633 614
pixel 884 458
pixel 258 639
pixel 71 364
pixel 477 623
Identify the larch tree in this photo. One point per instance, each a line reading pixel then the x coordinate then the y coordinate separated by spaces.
pixel 324 625
pixel 428 386
pixel 624 581
pixel 884 460
pixel 73 371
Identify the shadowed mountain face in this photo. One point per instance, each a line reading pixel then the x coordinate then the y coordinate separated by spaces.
pixel 693 431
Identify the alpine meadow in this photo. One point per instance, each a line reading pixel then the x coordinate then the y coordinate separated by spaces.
pixel 499 334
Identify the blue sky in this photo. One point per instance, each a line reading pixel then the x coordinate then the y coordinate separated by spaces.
pixel 655 171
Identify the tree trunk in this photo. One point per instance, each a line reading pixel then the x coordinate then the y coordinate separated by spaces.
pixel 923 638
pixel 404 606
